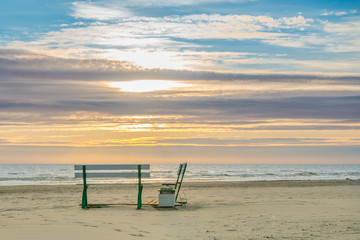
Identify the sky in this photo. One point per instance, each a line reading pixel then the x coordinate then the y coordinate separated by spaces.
pixel 205 81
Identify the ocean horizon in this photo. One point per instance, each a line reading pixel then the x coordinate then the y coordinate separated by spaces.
pixel 63 174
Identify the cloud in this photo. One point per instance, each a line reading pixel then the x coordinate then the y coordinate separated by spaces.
pixel 206 26
pixel 52 101
pixel 38 88
pixel 193 41
pixel 23 64
pixel 309 107
pixel 64 97
pixel 334 37
pixel 176 42
pixel 237 142
pixel 166 3
pixel 58 93
pixel 345 34
pixel 339 13
pixel 163 42
pixel 198 26
pixel 90 10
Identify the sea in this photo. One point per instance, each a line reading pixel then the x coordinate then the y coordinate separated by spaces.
pixel 63 174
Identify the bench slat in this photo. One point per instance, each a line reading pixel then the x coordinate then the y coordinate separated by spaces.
pixel 113 167
pixel 112 175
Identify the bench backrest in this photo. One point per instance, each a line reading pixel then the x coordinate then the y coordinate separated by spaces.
pixel 112 171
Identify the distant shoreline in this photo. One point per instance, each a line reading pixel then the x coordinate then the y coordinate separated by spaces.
pixel 209 184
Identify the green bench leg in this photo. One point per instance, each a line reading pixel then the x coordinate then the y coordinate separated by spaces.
pixel 140 188
pixel 84 202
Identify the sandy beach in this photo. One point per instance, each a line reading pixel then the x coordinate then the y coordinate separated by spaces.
pixel 217 210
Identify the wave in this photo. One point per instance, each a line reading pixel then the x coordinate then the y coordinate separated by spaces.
pixel 306 174
pixel 52 178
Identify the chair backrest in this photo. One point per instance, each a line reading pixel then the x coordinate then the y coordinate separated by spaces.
pixel 180 177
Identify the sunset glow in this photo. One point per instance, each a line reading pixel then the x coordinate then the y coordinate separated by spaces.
pixel 173 81
pixel 140 86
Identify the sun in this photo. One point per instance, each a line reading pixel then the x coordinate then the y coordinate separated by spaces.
pixel 140 86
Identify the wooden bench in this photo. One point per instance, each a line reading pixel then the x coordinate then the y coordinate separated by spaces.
pixel 114 171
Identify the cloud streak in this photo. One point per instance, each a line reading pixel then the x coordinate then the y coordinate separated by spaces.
pixel 340 13
pixel 15 63
pixel 88 10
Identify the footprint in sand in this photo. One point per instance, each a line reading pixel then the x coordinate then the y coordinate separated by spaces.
pixel 136 235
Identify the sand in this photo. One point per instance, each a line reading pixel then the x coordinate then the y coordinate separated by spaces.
pixel 218 210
